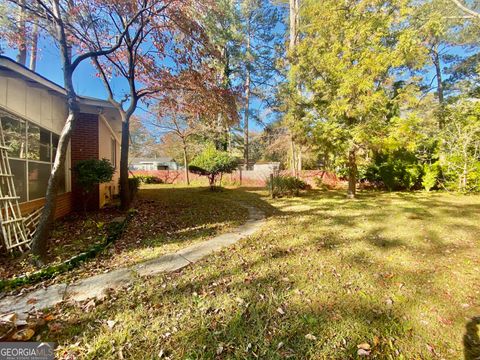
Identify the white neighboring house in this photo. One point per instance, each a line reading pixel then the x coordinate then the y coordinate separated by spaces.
pixel 160 163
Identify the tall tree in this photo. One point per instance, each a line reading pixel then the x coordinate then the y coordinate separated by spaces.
pixel 258 70
pixel 348 60
pixel 167 38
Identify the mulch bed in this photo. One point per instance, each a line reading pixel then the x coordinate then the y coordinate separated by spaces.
pixel 72 235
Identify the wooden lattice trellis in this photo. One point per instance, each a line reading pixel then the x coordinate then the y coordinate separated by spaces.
pixel 12 223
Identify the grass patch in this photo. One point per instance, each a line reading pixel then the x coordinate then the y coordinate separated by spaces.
pixel 398 271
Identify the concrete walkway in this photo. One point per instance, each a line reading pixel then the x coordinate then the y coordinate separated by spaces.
pixel 96 286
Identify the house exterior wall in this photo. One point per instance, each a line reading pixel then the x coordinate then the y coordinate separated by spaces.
pixel 109 148
pixel 25 99
pixel 45 109
pixel 34 104
pixel 64 205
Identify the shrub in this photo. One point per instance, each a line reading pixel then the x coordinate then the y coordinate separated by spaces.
pixel 398 170
pixel 92 172
pixel 431 173
pixel 212 163
pixel 286 186
pixel 149 179
pixel 460 143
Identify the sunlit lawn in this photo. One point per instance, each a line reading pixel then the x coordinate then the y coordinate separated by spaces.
pixel 397 271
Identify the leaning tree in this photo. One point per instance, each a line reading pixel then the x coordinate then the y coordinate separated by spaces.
pixel 61 21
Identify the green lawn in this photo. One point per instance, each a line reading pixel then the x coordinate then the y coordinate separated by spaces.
pixel 398 271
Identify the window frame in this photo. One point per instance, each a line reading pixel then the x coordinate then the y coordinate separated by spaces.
pixel 27 160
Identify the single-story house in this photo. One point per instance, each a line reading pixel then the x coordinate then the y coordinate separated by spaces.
pixel 33 111
pixel 158 163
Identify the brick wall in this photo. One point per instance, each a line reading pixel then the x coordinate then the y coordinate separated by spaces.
pixel 84 145
pixel 64 205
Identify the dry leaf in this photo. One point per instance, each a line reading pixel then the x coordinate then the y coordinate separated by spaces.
pixel 23 335
pixel 219 349
pixel 11 317
pixel 362 352
pixel 364 346
pixel 310 337
pixel 280 311
pixel 55 326
pixel 49 317
pixel 111 324
pixel 32 301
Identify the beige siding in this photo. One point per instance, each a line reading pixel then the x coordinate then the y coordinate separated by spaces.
pixel 16 96
pixel 33 108
pixel 36 105
pixel 3 91
pixel 105 135
pixel 59 114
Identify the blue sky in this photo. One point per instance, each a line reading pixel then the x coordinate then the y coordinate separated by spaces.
pixel 85 81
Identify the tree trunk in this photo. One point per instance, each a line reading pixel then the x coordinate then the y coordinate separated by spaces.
pixel 34 48
pixel 44 228
pixel 294 6
pixel 299 161
pixel 22 45
pixel 185 162
pixel 211 181
pixel 125 195
pixel 294 23
pixel 245 129
pixel 439 76
pixel 352 174
pixel 247 100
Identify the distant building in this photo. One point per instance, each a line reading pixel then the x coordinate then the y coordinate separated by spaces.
pixel 266 166
pixel 160 163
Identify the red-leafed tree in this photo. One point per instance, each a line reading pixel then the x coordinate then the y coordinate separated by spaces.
pixel 166 50
pixel 192 106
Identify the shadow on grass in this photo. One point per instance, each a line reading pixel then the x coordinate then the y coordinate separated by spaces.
pixel 318 298
pixel 471 340
pixel 177 215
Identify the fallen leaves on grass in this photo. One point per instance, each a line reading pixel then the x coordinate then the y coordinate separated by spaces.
pixel 23 335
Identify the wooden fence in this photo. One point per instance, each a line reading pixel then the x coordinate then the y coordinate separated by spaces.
pixel 254 178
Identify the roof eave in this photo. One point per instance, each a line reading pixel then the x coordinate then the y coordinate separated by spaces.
pixel 85 102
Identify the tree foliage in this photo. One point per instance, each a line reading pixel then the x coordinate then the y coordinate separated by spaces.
pixel 212 163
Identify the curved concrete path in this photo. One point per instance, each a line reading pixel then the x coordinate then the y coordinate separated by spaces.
pixel 96 286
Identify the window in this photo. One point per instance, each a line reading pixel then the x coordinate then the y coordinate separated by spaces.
pixel 31 154
pixel 38 174
pixel 14 134
pixel 19 172
pixel 113 152
pixel 38 143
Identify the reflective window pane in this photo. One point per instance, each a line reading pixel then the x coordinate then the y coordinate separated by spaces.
pixel 38 143
pixel 19 179
pixel 14 134
pixel 55 139
pixel 38 175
